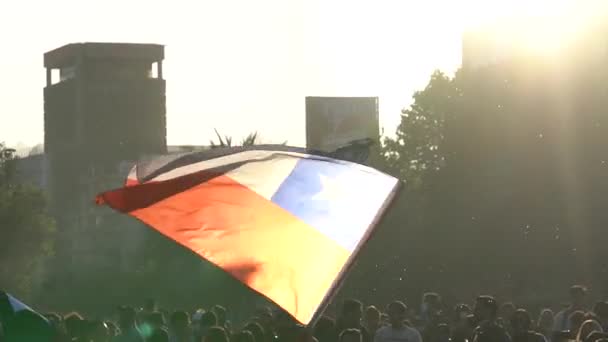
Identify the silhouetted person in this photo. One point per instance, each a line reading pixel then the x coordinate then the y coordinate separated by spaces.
pixel 265 320
pixel 371 320
pixel 521 322
pixel 157 320
pixel 53 318
pixel 206 322
pixel 601 311
pixel 544 325
pixel 350 335
pixel 59 331
pixel 98 332
pixel 433 317
pixel 81 330
pixel 150 305
pixel 220 313
pixel 431 305
pixel 577 302
pixel 486 315
pixel 72 323
pixel 244 336
pixel 587 328
pixel 179 327
pixel 216 334
pixel 256 330
pixel 397 330
pixel 461 329
pixel 505 314
pixel 128 328
pixel 350 318
pixel 575 320
pixel 596 336
pixel 325 330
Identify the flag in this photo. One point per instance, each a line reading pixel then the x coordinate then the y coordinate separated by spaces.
pixel 9 306
pixel 285 222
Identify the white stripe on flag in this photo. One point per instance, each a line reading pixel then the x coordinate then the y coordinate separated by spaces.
pixel 16 304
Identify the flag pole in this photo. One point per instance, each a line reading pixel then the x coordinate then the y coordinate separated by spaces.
pixel 350 263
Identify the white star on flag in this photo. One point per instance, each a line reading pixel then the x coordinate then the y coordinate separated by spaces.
pixel 330 190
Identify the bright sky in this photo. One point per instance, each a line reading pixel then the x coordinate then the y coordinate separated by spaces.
pixel 241 65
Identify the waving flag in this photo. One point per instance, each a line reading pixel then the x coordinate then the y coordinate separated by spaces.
pixel 284 222
pixel 10 305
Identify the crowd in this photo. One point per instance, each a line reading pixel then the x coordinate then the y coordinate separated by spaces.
pixel 484 321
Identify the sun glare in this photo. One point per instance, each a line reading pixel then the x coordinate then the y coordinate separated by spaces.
pixel 536 26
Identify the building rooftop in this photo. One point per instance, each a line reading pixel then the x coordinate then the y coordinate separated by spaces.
pixel 67 55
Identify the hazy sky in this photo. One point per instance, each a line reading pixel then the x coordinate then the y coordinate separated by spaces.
pixel 238 66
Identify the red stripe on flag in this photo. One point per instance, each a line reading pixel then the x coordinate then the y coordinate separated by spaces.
pixel 143 195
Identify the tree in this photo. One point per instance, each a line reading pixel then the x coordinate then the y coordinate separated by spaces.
pixel 26 230
pixel 36 150
pixel 504 167
pixel 416 151
pixel 226 141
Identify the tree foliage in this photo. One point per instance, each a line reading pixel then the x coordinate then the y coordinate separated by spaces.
pixel 505 170
pixel 226 141
pixel 26 230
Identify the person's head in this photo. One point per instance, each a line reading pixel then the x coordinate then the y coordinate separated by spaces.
pixel 325 330
pixel 596 336
pixel 156 320
pixel 98 331
pixel 220 313
pixel 350 335
pixel 460 314
pixel 396 313
pixel 587 327
pixel 256 330
pixel 545 320
pixel 577 296
pixel 351 312
pixel 71 322
pixel 431 301
pixel 126 318
pixel 372 317
pixel 245 336
pixel 506 311
pixel 486 308
pixel 207 320
pixel 601 311
pixel 150 305
pixel 265 317
pixel 575 320
pixel 180 322
pixel 521 321
pixel 216 334
pixel 112 329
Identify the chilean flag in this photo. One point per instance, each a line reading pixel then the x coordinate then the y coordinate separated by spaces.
pixel 285 222
pixel 10 305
